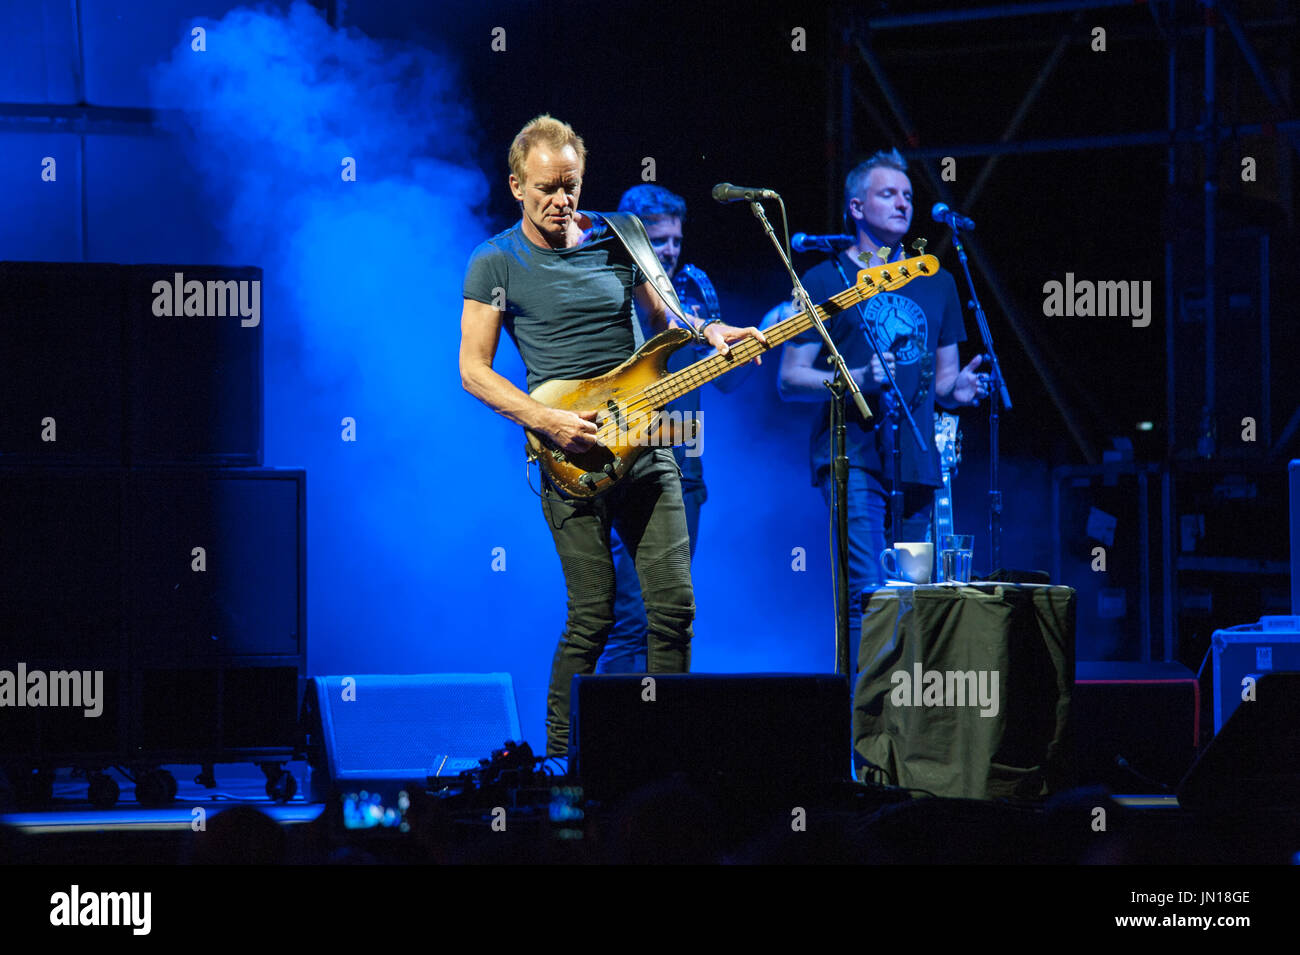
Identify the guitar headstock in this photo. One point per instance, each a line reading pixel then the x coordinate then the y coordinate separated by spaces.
pixel 947 439
pixel 881 278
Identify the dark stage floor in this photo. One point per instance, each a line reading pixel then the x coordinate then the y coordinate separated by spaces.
pixel 669 822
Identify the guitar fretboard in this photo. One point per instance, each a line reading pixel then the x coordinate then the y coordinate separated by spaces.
pixel 878 279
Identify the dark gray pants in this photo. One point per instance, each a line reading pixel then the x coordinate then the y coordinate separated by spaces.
pixel 647 511
pixel 625 648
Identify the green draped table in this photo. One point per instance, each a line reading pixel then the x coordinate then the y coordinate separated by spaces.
pixel 964 689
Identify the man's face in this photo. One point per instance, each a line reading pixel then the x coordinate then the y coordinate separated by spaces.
pixel 666 237
pixel 549 192
pixel 884 206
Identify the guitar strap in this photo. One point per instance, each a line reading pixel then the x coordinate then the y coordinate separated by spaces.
pixel 631 232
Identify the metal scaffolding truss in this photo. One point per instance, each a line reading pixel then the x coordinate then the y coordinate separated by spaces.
pixel 1173 20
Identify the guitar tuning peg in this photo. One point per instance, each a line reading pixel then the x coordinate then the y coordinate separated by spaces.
pixel 919 246
pixel 864 258
pixel 882 254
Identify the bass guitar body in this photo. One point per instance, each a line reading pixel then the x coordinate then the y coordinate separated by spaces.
pixel 629 419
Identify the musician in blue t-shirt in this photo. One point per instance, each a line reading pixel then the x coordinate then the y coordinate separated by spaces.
pixel 918 327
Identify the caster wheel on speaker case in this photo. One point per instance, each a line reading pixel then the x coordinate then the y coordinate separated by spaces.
pixel 103 790
pixel 282 788
pixel 169 781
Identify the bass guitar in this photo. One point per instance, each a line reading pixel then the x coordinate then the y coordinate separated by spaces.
pixel 631 398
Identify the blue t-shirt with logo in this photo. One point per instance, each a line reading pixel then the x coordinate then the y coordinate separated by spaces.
pixel 912 321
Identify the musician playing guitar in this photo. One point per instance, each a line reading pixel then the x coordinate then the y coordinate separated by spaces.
pixel 918 327
pixel 562 285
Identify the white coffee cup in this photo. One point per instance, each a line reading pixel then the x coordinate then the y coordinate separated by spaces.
pixel 914 561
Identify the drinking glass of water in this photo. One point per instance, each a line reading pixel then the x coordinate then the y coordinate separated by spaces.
pixel 955 555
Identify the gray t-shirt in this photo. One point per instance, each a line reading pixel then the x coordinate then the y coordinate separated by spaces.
pixel 568 311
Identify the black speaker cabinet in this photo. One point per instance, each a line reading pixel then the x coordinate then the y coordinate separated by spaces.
pixel 85 720
pixel 371 731
pixel 194 344
pixel 1254 761
pixel 216 609
pixel 241 708
pixel 777 736
pixel 217 565
pixel 61 548
pixel 64 363
pixel 111 365
pixel 185 589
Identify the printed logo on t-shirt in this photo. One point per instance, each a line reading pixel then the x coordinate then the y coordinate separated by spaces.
pixel 894 317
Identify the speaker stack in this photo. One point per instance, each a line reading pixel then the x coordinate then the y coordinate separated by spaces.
pixel 143 539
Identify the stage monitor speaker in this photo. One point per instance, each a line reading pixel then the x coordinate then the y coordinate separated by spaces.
pixel 369 731
pixel 1254 761
pixel 778 736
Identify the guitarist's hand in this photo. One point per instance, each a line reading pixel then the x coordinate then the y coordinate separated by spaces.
pixel 970 385
pixel 719 335
pixel 878 371
pixel 572 432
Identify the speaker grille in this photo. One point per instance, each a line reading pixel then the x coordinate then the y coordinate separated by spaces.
pixel 400 726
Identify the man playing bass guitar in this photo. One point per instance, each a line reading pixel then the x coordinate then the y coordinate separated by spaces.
pixel 562 285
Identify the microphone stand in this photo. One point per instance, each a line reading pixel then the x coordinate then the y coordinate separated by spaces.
pixel 896 408
pixel 842 382
pixel 998 394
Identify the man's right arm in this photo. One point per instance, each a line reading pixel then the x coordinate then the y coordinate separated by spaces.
pixel 798 380
pixel 480 331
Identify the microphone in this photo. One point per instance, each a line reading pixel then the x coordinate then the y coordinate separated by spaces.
pixel 942 214
pixel 726 192
pixel 833 244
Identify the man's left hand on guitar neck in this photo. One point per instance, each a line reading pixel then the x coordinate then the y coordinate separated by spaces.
pixel 715 333
pixel 720 336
